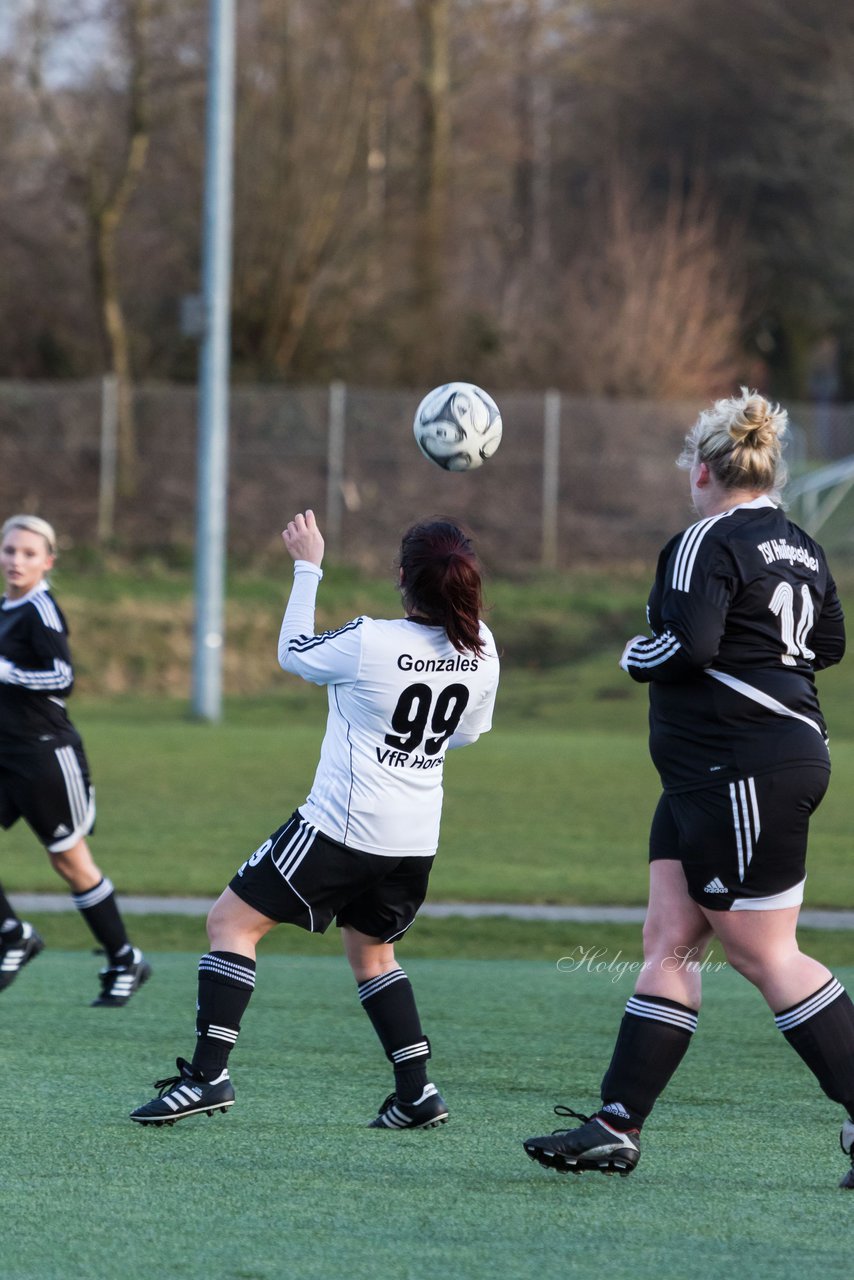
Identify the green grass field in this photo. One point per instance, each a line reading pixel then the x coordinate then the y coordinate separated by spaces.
pixel 740 1160
pixel 534 813
pixel 738 1174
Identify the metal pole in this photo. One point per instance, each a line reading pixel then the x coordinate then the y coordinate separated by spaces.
pixel 551 478
pixel 214 366
pixel 109 456
pixel 335 464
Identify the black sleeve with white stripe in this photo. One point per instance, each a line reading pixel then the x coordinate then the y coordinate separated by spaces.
pixel 687 611
pixel 47 667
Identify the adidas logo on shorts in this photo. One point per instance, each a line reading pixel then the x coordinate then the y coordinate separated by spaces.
pixel 715 886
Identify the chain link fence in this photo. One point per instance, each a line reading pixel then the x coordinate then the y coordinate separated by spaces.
pixel 577 480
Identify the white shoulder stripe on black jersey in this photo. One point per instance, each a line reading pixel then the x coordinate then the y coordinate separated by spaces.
pixel 47 611
pixel 686 553
pixel 300 644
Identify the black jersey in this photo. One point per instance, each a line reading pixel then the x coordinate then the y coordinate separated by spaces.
pixel 743 611
pixel 36 670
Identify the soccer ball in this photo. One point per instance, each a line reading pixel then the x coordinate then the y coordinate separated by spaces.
pixel 457 426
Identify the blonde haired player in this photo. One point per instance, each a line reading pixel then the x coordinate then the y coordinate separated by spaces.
pixel 359 849
pixel 743 612
pixel 44 774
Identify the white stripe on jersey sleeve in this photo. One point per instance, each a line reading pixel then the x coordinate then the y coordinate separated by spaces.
pixel 48 612
pixel 686 552
pixel 329 658
pixel 651 653
pixel 60 676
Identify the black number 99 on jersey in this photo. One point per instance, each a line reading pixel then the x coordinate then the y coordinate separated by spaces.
pixel 415 709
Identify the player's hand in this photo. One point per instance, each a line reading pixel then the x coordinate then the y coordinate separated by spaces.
pixel 624 660
pixel 303 539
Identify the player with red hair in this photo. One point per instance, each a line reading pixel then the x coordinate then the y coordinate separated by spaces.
pixel 360 848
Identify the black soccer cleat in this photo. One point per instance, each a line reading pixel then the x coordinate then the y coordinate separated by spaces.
pixel 846 1142
pixel 14 955
pixel 428 1112
pixel 187 1094
pixel 119 981
pixel 592 1146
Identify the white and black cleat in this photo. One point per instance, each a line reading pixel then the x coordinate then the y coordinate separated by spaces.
pixel 427 1112
pixel 14 955
pixel 593 1147
pixel 120 981
pixel 187 1094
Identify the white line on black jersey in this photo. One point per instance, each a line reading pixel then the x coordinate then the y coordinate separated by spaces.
pixel 689 545
pixel 47 611
pixel 764 699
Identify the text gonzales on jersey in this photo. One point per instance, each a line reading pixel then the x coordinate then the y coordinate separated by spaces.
pixel 406 662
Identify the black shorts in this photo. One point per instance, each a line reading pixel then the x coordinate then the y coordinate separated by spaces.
pixel 48 785
pixel 742 844
pixel 298 876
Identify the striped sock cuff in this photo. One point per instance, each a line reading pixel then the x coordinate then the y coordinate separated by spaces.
pixel 659 1009
pixel 227 1034
pixel 92 897
pixel 233 970
pixel 798 1013
pixel 373 986
pixel 411 1053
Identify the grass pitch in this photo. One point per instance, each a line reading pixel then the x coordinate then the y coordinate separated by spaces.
pixel 533 813
pixel 738 1174
pixel 740 1160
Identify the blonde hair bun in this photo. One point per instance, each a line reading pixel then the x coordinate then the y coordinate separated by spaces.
pixel 741 440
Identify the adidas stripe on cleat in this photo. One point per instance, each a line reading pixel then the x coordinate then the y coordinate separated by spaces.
pixel 187 1094
pixel 846 1142
pixel 593 1146
pixel 119 981
pixel 427 1112
pixel 14 955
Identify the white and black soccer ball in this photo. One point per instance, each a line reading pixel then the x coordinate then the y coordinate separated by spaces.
pixel 458 426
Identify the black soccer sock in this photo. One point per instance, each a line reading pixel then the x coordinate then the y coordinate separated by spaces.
pixel 389 1002
pixel 99 909
pixel 226 983
pixel 653 1039
pixel 821 1030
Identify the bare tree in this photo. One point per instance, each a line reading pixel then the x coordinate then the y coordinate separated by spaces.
pixel 304 97
pixel 102 140
pixel 650 306
pixel 433 166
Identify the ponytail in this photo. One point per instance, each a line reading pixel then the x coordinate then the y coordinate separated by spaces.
pixel 441 581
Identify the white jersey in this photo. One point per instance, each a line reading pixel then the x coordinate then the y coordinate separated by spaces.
pixel 399 695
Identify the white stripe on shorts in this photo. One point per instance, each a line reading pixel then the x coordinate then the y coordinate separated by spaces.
pixel 745 817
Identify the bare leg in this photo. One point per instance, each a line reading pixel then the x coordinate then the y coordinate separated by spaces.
pixel 762 945
pixel 77 867
pixel 235 926
pixel 368 957
pixel 675 936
